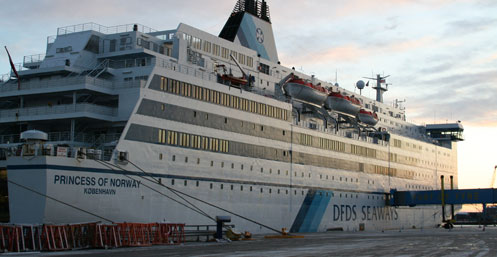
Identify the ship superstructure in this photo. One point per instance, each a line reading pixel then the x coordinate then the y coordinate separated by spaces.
pixel 215 117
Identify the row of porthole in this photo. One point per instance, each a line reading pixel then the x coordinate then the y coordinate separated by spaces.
pixel 279 191
pixel 161 157
pixel 419 187
pixel 295 174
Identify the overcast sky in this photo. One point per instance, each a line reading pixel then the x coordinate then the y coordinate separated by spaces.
pixel 441 54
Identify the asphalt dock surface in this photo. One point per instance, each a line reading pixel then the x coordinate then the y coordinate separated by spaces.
pixel 467 241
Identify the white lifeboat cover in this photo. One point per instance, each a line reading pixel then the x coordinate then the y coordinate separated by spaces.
pixel 34 134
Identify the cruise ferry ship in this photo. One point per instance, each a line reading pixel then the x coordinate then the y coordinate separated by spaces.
pixel 132 124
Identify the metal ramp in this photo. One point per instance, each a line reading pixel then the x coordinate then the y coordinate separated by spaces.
pixel 452 196
pixel 444 197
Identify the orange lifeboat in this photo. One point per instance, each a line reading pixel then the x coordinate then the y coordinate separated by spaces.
pixel 302 90
pixel 367 117
pixel 343 103
pixel 234 81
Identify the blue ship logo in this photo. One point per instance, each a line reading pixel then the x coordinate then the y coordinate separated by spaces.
pixel 259 35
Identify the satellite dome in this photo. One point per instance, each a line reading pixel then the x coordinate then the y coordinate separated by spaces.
pixel 34 135
pixel 360 84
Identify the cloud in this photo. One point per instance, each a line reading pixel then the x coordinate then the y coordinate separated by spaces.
pixel 393 23
pixel 437 69
pixel 353 52
pixel 468 97
pixel 469 26
pixel 485 60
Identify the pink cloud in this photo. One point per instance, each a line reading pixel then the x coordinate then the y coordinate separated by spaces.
pixel 353 52
pixel 355 7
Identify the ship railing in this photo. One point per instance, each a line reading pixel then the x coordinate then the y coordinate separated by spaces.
pixel 198 72
pixel 198 233
pixel 341 133
pixel 130 63
pixel 51 39
pixel 59 109
pixel 187 70
pixel 71 81
pixel 19 67
pixel 47 149
pixel 33 58
pixel 12 138
pixel 4 78
pixel 104 29
pixel 65 136
pixel 57 150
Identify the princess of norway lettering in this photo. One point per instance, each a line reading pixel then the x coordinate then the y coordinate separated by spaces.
pixel 92 185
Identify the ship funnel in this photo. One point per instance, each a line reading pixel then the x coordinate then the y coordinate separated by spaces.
pixel 250 25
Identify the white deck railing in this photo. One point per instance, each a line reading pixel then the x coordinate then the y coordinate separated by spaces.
pixel 58 109
pixel 63 82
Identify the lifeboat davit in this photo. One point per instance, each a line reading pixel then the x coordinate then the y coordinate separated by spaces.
pixel 367 117
pixel 235 81
pixel 306 91
pixel 342 103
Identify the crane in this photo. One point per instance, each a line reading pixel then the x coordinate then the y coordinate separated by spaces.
pixel 493 177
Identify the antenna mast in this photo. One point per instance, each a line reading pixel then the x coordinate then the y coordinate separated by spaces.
pixel 379 89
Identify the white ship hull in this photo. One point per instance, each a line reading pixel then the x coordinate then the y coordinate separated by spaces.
pixel 106 193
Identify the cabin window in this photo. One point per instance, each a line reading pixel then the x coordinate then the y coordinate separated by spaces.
pixel 250 61
pixel 216 50
pixel 264 68
pixel 225 53
pixel 112 45
pixel 207 46
pixel 235 54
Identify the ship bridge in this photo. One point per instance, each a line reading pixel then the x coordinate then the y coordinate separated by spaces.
pixel 446 132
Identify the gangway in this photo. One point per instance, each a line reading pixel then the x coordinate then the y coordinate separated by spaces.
pixel 443 197
pixel 451 196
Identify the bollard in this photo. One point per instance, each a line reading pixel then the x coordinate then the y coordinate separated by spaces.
pixel 219 221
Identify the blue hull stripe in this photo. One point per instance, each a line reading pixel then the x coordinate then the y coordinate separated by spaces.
pixel 320 210
pixel 312 211
pixel 297 223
